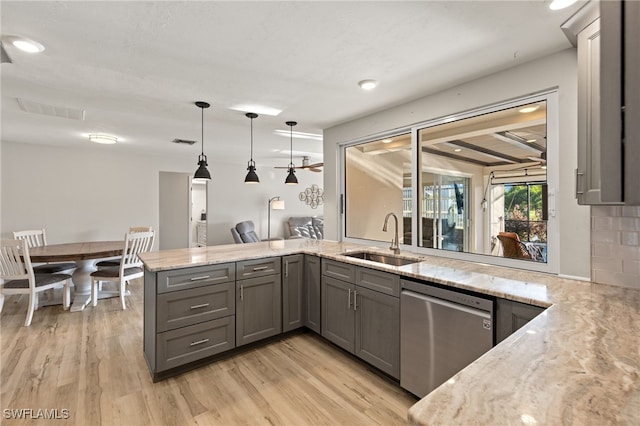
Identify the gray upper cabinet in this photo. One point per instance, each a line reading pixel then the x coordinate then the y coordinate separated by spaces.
pixel 258 308
pixel 292 292
pixel 608 102
pixel 311 296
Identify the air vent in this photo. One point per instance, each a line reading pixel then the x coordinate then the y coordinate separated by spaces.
pixel 50 110
pixel 184 141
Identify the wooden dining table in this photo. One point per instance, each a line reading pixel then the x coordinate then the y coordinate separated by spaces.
pixel 84 254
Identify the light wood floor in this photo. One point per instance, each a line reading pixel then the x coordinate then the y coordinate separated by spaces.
pixel 91 364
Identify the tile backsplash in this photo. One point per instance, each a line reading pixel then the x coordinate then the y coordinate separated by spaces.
pixel 615 245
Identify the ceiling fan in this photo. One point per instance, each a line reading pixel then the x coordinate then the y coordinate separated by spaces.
pixel 315 167
pixel 542 159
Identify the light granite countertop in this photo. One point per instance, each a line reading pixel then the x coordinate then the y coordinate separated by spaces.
pixel 578 363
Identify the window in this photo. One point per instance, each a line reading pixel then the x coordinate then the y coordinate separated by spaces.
pixel 459 186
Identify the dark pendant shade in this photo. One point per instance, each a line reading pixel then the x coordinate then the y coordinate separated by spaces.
pixel 202 172
pixel 252 177
pixel 291 177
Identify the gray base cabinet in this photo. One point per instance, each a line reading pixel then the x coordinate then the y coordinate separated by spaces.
pixel 189 314
pixel 362 316
pixel 312 299
pixel 510 316
pixel 338 316
pixel 378 330
pixel 293 292
pixel 258 300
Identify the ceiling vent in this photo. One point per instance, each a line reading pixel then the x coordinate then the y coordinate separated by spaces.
pixel 50 110
pixel 184 141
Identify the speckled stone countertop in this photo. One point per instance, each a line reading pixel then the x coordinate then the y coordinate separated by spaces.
pixel 578 363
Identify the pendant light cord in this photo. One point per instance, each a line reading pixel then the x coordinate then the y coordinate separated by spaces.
pixel 202 129
pixel 251 161
pixel 291 145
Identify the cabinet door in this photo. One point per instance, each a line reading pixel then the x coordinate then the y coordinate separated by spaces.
pixel 510 316
pixel 632 102
pixel 378 330
pixel 292 292
pixel 312 293
pixel 338 316
pixel 588 182
pixel 258 308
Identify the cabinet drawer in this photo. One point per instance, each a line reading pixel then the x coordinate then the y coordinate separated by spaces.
pixel 199 276
pixel 188 344
pixel 339 270
pixel 257 267
pixel 379 281
pixel 186 307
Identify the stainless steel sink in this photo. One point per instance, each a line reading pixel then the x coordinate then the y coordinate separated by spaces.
pixel 381 258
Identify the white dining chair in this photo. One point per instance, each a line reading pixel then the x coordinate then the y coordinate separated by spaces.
pixel 38 238
pixel 114 263
pixel 130 266
pixel 18 277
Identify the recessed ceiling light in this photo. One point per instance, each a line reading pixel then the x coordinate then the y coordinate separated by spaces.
pixel 299 135
pixel 258 109
pixel 531 140
pixel 561 4
pixel 388 140
pixel 530 108
pixel 368 84
pixel 457 150
pixel 103 139
pixel 27 45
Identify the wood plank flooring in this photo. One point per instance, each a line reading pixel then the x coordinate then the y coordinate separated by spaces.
pixel 91 364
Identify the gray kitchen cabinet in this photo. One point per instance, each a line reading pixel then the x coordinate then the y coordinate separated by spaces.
pixel 338 316
pixel 363 316
pixel 312 301
pixel 511 315
pixel 292 292
pixel 608 42
pixel 378 329
pixel 189 314
pixel 258 308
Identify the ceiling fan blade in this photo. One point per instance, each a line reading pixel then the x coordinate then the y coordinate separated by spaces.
pixel 316 165
pixel 313 169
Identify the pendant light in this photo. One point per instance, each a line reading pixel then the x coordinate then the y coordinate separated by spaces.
pixel 202 173
pixel 291 177
pixel 252 177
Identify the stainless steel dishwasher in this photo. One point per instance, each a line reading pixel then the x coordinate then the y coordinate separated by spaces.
pixel 441 332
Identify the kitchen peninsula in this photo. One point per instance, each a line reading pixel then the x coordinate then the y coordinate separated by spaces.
pixel 576 363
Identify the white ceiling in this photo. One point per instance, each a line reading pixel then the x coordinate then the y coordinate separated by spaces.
pixel 137 67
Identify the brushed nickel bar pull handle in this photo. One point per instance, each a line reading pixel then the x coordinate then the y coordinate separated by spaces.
pixel 204 277
pixel 260 268
pixel 199 342
pixel 204 305
pixel 286 268
pixel 355 300
pixel 578 175
pixel 349 300
pixel 241 292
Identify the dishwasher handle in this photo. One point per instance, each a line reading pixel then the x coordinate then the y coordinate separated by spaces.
pixel 451 305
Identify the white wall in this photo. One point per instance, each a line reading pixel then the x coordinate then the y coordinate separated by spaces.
pixel 557 70
pixel 97 192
